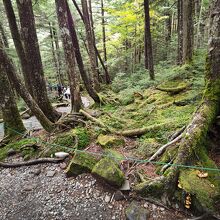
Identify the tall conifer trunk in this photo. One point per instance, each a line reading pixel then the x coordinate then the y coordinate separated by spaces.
pixel 32 51
pixel 69 52
pixel 149 63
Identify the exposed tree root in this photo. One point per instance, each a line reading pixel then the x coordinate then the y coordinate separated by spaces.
pixel 164 147
pixel 31 162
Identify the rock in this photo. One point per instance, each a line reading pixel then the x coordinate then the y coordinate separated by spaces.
pixel 26 116
pixel 108 170
pixel 109 141
pixel 29 187
pixel 11 152
pixel 61 154
pixel 107 198
pixel 81 163
pixel 119 196
pixel 135 212
pixel 63 166
pixel 51 173
pixel 36 172
pixel 125 186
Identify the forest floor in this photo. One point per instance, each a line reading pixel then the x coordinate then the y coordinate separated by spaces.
pixel 44 192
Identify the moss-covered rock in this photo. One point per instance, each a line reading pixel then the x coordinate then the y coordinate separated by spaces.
pixel 82 136
pixel 108 170
pixel 109 141
pixel 22 147
pixel 151 188
pixel 203 191
pixel 82 162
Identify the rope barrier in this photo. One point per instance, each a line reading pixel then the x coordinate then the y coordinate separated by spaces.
pixel 140 161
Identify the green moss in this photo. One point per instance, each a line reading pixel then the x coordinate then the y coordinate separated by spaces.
pixel 202 189
pixel 147 147
pixel 82 136
pixel 115 155
pixel 150 188
pixel 18 146
pixel 82 162
pixel 110 141
pixel 108 170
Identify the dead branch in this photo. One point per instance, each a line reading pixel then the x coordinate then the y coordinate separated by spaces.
pixel 31 162
pixel 164 147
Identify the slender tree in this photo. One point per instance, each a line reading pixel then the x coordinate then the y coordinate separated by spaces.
pixel 32 51
pixel 103 32
pixel 79 59
pixel 188 36
pixel 149 63
pixel 107 76
pixel 69 51
pixel 90 44
pixel 18 43
pixel 180 32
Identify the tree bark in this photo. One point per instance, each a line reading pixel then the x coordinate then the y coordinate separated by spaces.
pixel 18 43
pixel 32 51
pixel 180 32
pixel 108 78
pixel 187 30
pixel 13 124
pixel 3 35
pixel 90 42
pixel 91 91
pixel 148 44
pixel 9 69
pixel 54 53
pixel 69 52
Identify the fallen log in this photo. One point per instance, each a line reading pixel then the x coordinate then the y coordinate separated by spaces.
pixel 31 162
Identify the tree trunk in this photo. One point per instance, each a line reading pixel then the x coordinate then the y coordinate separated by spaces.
pixel 168 31
pixel 180 32
pixel 9 69
pixel 13 124
pixel 59 59
pixel 18 43
pixel 104 37
pixel 3 35
pixel 199 19
pixel 148 43
pixel 69 52
pixel 92 53
pixel 187 30
pixel 55 58
pixel 107 76
pixel 32 51
pixel 79 59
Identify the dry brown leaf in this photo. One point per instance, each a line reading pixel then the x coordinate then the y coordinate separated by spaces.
pixel 201 174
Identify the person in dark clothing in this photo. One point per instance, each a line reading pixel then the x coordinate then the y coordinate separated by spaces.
pixel 59 90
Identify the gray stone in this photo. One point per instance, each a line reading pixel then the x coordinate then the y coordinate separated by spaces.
pixel 50 173
pixel 119 196
pixel 135 212
pixel 36 172
pixel 125 186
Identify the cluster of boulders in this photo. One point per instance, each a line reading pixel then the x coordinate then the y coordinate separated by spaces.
pixel 103 167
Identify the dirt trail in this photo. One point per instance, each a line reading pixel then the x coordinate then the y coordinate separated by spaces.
pixel 44 192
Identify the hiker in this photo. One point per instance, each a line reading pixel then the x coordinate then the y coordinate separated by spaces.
pixel 67 93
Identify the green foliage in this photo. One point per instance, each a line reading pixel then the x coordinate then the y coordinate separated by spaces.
pixel 82 136
pixel 22 147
